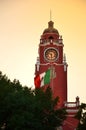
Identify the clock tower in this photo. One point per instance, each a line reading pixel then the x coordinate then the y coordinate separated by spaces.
pixel 51 56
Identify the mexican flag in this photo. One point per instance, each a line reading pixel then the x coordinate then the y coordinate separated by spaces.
pixel 42 79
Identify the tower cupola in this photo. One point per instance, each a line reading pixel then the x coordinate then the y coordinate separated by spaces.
pixel 50 34
pixel 51 28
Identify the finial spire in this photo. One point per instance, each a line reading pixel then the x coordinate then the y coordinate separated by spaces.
pixel 50 15
pixel 50 23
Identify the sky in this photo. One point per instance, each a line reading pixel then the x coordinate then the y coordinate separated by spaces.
pixel 22 23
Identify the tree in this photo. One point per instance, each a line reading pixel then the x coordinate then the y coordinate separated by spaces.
pixel 22 108
pixel 45 107
pixel 81 115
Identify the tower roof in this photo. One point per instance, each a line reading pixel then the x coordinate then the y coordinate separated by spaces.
pixel 51 28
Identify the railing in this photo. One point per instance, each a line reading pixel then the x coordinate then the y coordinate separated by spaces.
pixel 71 104
pixel 51 41
pixel 72 108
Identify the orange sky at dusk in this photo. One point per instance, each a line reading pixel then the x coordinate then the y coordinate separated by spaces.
pixel 21 25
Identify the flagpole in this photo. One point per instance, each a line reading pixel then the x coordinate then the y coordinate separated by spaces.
pixel 53 75
pixel 52 69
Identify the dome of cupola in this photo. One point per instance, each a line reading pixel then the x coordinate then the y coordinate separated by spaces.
pixel 51 28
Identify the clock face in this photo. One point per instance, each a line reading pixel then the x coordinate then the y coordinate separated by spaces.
pixel 51 54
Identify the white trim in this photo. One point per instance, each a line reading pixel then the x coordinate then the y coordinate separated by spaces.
pixel 48 43
pixel 52 63
pixel 71 111
pixel 69 115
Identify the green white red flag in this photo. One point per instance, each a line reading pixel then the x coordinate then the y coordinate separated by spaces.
pixel 42 79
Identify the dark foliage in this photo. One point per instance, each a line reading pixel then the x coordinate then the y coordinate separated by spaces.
pixel 81 115
pixel 22 108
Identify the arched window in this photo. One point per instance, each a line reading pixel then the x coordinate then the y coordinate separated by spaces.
pixel 51 37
